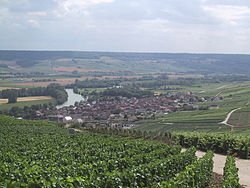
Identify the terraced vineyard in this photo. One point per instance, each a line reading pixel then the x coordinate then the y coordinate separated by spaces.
pixel 235 96
pixel 41 154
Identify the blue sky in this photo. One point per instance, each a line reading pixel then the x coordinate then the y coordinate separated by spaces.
pixel 197 26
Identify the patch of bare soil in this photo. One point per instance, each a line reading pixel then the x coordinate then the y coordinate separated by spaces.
pixel 25 99
pixel 215 181
pixel 4 88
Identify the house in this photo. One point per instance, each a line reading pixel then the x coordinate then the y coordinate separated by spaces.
pixel 39 114
pixel 214 106
pixel 79 121
pixel 215 98
pixel 67 119
pixel 53 117
pixel 132 118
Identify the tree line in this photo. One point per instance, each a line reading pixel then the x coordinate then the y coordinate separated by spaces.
pixel 125 92
pixel 156 82
pixel 28 112
pixel 54 90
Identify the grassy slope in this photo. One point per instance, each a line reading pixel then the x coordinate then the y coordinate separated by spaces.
pixel 137 62
pixel 241 117
pixel 235 95
pixel 22 104
pixel 12 84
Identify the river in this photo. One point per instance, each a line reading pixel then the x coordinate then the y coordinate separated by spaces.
pixel 72 98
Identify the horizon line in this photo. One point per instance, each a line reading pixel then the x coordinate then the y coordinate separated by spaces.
pixel 138 52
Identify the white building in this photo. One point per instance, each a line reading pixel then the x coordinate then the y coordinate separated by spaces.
pixel 67 119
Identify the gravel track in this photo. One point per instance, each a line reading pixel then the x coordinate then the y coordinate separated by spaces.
pixel 242 164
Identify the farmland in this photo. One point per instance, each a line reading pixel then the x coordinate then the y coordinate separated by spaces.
pixel 241 117
pixel 27 99
pixel 6 107
pixel 15 83
pixel 235 95
pixel 31 82
pixel 43 154
pixel 4 88
pixel 54 62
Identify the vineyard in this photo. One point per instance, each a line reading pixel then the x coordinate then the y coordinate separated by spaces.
pixel 42 154
pixel 222 143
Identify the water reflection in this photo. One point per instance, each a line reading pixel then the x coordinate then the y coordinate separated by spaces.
pixel 72 98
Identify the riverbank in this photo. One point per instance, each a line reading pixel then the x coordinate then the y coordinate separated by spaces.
pixel 72 98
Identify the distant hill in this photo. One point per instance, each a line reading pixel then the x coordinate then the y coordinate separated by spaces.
pixel 68 61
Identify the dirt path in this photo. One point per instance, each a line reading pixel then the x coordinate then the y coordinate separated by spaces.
pixel 243 165
pixel 225 122
pixel 221 87
pixel 218 94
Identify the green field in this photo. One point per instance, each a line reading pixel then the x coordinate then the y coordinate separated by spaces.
pixel 10 83
pixel 15 85
pixel 6 107
pixel 241 117
pixel 188 121
pixel 234 95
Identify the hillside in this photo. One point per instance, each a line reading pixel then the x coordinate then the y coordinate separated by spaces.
pixel 235 95
pixel 69 61
pixel 41 154
pixel 48 155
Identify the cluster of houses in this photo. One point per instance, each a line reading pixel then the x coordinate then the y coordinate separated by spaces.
pixel 122 111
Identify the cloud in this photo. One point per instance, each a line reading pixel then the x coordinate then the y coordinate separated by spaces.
pixel 37 13
pixel 67 7
pixel 228 13
pixel 119 25
pixel 34 23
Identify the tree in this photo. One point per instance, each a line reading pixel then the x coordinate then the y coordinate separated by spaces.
pixel 15 111
pixel 12 96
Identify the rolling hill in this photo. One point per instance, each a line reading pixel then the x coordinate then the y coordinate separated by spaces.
pixel 69 61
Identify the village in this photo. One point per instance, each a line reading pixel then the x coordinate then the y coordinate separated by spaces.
pixel 123 112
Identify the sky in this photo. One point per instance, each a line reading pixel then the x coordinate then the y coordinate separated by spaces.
pixel 191 26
